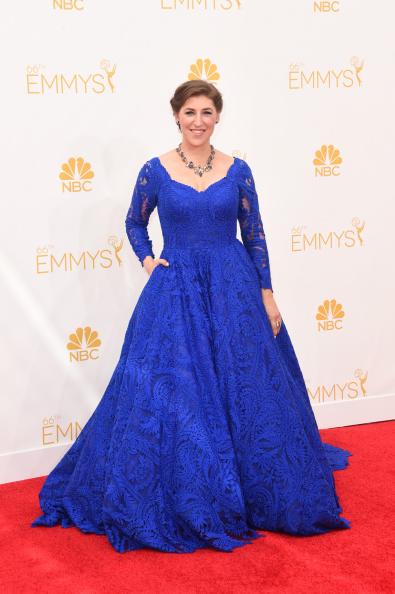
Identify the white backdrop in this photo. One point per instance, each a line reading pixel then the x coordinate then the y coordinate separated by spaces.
pixel 308 103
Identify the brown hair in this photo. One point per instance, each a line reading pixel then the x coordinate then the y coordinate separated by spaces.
pixel 191 88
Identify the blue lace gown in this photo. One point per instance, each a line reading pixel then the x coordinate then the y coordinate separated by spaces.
pixel 205 433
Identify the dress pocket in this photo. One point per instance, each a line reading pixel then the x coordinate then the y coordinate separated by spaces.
pixel 156 267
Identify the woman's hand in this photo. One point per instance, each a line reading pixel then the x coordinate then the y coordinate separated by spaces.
pixel 272 310
pixel 150 263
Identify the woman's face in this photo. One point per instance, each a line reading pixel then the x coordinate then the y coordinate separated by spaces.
pixel 197 119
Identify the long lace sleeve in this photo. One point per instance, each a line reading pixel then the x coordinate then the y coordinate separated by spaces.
pixel 144 199
pixel 251 227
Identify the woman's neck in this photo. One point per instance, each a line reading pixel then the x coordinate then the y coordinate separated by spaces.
pixel 197 154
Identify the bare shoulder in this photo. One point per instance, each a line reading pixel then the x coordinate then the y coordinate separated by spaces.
pixel 169 157
pixel 223 158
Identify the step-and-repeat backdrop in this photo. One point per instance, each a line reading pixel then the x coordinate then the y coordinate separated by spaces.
pixel 308 103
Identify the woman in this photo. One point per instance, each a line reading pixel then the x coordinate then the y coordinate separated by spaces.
pixel 205 433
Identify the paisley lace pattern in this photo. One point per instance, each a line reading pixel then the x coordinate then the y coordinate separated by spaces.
pixel 205 433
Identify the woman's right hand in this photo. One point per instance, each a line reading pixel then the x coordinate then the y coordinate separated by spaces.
pixel 150 263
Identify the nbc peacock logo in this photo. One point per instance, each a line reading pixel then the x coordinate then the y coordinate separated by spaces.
pixel 351 388
pixel 83 345
pixel 329 315
pixel 76 175
pixel 327 160
pixel 203 70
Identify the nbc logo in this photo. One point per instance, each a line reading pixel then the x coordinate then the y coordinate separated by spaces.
pixel 327 161
pixel 326 6
pixel 203 70
pixel 330 315
pixel 68 5
pixel 76 175
pixel 83 344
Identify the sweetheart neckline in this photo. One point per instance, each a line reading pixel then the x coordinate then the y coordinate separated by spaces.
pixel 191 187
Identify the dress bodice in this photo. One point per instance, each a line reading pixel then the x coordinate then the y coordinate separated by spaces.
pixel 192 219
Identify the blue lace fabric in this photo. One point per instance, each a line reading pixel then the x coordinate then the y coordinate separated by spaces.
pixel 205 435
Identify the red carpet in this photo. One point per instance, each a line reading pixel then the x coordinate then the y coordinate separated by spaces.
pixel 357 560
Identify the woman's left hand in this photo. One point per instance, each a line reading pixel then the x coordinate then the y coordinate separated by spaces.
pixel 272 310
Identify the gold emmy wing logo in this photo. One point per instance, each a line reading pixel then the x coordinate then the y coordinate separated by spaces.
pixel 54 433
pixel 68 5
pixel 39 82
pixel 301 241
pixel 326 7
pixel 299 78
pixel 341 391
pixel 327 161
pixel 203 70
pixel 76 175
pixel 83 345
pixel 48 262
pixel 330 315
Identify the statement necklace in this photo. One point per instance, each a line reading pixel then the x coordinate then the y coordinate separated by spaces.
pixel 197 168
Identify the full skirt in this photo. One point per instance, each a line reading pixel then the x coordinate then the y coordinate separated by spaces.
pixel 205 433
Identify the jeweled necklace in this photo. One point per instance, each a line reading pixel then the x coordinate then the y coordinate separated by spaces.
pixel 198 169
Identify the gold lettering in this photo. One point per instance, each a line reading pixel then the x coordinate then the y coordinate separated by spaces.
pixel 58 264
pixel 307 79
pixel 313 241
pixel 85 82
pixel 313 396
pixel 295 240
pixel 324 241
pixel 329 394
pixel 60 431
pixel 349 234
pixel 98 80
pixel 338 237
pixel 323 79
pixel 44 83
pixel 106 258
pixel 46 434
pixel 39 264
pixel 77 262
pixel 64 83
pixel 350 78
pixel 353 389
pixel 93 258
pixel 342 389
